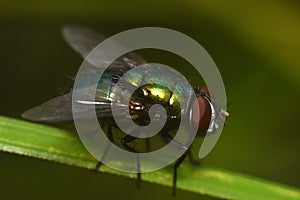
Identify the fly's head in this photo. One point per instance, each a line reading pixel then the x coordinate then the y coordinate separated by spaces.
pixel 211 115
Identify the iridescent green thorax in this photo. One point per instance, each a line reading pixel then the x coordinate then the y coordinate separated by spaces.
pixel 149 95
pixel 149 88
pixel 163 90
pixel 157 94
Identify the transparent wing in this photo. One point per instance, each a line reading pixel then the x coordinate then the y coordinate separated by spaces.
pixel 59 109
pixel 55 110
pixel 84 40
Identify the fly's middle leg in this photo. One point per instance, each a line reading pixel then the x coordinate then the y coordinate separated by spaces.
pixel 176 165
pixel 168 139
pixel 110 137
pixel 125 140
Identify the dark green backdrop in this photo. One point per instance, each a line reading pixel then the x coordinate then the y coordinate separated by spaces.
pixel 255 45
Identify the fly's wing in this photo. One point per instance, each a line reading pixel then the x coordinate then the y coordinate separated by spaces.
pixel 59 109
pixel 84 40
pixel 54 110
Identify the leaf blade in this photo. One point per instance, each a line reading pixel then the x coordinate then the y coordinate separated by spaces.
pixel 53 144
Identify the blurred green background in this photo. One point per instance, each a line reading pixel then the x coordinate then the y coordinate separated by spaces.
pixel 255 44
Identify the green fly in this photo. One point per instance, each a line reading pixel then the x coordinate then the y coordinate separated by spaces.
pixel 59 109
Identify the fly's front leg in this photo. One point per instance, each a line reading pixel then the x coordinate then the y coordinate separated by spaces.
pixel 125 140
pixel 192 159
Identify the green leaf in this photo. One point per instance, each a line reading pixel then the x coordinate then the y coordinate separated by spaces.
pixel 53 144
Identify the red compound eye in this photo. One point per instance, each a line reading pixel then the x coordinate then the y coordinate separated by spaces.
pixel 203 111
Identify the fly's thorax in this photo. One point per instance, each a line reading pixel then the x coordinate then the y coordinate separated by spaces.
pixel 172 94
pixel 149 95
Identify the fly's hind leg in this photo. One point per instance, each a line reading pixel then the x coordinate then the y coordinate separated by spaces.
pixel 125 140
pixel 110 137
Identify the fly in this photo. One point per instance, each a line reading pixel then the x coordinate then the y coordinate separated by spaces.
pixel 59 109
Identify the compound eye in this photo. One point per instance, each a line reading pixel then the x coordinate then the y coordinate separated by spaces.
pixel 205 90
pixel 203 112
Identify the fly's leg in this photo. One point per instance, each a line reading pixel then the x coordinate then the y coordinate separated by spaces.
pixel 176 165
pixel 125 140
pixel 193 160
pixel 169 139
pixel 148 145
pixel 110 137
